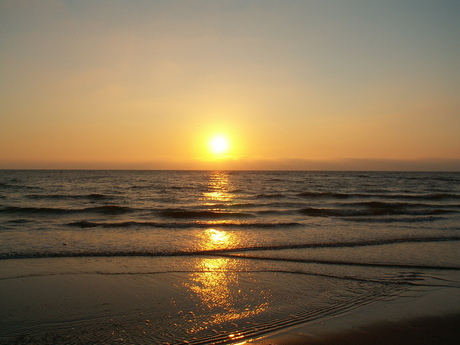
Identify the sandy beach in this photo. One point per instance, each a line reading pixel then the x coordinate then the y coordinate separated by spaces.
pixel 420 331
pixel 132 301
pixel 426 317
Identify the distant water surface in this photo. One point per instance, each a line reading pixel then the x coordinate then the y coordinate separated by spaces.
pixel 375 232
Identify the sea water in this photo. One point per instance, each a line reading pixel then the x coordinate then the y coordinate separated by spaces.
pixel 228 254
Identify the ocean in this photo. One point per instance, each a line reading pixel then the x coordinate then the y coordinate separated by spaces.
pixel 201 257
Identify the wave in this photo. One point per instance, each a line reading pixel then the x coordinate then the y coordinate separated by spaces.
pixel 5 185
pixel 275 212
pixel 378 205
pixel 393 219
pixel 436 196
pixel 108 210
pixel 331 195
pixel 243 205
pixel 357 243
pixel 269 196
pixel 184 214
pixel 19 221
pixel 371 211
pixel 92 196
pixel 421 197
pixel 236 191
pixel 35 210
pixel 387 205
pixel 243 250
pixel 350 263
pixel 88 224
pixel 278 205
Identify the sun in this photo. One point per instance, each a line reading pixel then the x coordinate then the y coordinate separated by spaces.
pixel 219 145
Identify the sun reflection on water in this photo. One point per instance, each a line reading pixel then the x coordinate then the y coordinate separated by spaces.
pixel 217 282
pixel 218 188
pixel 216 239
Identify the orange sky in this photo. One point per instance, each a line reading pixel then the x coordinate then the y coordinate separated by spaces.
pixel 292 84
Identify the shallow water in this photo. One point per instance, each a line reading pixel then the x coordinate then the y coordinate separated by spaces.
pixel 209 257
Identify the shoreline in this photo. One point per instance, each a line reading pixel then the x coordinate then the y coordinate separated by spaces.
pixel 432 317
pixel 421 331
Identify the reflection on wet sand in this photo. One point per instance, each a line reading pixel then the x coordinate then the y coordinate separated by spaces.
pixel 218 287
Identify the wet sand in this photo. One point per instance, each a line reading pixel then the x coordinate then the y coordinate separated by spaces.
pixel 132 301
pixel 423 331
pixel 425 317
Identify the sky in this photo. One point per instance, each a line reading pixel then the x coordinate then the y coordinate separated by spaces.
pixel 290 84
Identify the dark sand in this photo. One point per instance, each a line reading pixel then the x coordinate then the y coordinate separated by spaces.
pixel 76 301
pixel 422 317
pixel 422 331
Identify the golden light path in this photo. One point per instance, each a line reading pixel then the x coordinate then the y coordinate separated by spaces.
pixel 217 282
pixel 218 189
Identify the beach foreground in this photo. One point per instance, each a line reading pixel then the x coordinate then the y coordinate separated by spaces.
pixel 158 301
pixel 422 331
pixel 432 318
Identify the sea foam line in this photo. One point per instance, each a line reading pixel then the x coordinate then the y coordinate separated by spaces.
pixel 64 254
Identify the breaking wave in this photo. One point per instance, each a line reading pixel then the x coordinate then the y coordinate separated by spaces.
pixel 184 214
pixel 421 197
pixel 177 225
pixel 92 196
pixel 376 210
pixel 108 210
pixel 242 250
